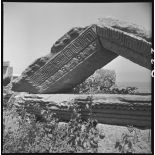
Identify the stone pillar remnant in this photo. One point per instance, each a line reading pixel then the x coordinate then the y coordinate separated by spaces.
pixel 7 72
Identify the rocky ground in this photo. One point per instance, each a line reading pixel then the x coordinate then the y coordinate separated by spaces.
pixel 114 133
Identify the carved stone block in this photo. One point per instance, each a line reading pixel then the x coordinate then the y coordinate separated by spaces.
pixel 68 66
pixel 81 51
pixel 126 39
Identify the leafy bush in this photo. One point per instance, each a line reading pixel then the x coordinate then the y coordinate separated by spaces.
pixel 32 130
pixel 29 128
pixel 7 93
pixel 100 82
pixel 127 90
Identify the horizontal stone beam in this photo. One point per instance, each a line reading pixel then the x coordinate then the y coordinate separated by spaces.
pixel 106 108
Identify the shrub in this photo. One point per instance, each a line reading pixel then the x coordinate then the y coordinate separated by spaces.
pixel 127 90
pixel 100 82
pixel 34 129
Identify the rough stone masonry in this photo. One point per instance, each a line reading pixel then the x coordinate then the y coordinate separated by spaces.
pixel 80 52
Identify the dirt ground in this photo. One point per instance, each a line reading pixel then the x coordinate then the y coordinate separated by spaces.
pixel 113 133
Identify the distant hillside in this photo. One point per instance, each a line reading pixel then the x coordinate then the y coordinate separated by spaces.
pixel 143 87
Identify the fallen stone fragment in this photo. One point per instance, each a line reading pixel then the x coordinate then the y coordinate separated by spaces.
pixel 126 39
pixel 80 52
pixel 68 66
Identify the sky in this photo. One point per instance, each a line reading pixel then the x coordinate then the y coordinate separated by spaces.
pixel 30 30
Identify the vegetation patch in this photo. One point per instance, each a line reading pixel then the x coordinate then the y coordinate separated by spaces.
pixel 29 128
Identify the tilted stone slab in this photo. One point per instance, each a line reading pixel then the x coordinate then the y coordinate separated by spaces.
pixel 70 66
pixel 114 109
pixel 81 51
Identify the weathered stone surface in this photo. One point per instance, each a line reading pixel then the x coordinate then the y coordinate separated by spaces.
pixel 107 109
pixel 134 29
pixel 7 73
pixel 81 51
pixel 7 70
pixel 68 67
pixel 126 39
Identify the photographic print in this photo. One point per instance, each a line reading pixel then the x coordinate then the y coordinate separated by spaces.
pixel 77 77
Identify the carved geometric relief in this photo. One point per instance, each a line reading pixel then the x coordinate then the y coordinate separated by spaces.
pixel 63 57
pixel 80 52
